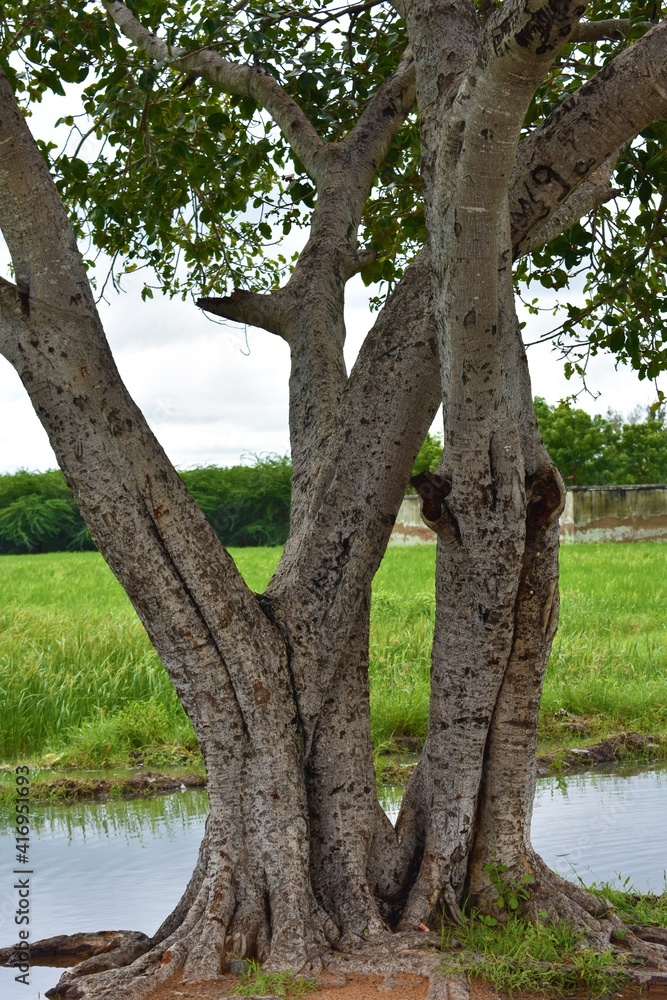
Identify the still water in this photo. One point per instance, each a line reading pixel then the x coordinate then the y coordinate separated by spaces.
pixel 125 864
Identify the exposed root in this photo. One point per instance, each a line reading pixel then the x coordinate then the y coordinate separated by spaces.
pixel 119 946
pixel 401 953
pixel 224 922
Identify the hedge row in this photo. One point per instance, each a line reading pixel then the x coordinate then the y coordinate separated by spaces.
pixel 245 504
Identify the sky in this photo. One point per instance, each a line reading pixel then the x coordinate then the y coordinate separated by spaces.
pixel 217 394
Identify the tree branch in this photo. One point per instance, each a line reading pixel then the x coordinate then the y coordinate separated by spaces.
pixel 597 31
pixel 11 315
pixel 519 42
pixel 623 98
pixel 263 311
pixel 382 117
pixel 233 78
pixel 591 193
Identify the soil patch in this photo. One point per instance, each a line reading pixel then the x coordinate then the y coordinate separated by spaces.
pixel 132 786
pixel 354 986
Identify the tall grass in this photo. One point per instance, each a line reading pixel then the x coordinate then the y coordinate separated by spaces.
pixel 74 660
pixel 73 654
pixel 609 660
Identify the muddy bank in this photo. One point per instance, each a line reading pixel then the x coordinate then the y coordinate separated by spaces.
pixel 614 749
pixel 99 789
pixel 390 771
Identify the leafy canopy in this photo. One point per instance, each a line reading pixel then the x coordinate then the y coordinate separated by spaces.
pixel 165 172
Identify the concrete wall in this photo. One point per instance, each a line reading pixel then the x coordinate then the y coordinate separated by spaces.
pixel 615 514
pixel 592 514
pixel 409 528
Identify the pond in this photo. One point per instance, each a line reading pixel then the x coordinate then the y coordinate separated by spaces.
pixel 124 864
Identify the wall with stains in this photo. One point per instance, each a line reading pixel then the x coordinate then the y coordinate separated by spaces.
pixel 615 514
pixel 592 514
pixel 409 528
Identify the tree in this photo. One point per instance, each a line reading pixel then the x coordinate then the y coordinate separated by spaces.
pixel 298 857
pixel 598 451
pixel 578 443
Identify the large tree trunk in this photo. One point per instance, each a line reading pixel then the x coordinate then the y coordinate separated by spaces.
pixel 495 501
pixel 298 858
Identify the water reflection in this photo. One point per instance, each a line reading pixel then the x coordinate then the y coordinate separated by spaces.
pixel 605 826
pixel 124 864
pixel 99 866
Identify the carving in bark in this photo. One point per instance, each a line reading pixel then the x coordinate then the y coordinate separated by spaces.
pixel 298 858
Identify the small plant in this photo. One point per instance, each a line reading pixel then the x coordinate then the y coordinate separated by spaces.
pixel 256 982
pixel 511 892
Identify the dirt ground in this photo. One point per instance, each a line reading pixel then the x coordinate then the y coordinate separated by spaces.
pixel 355 986
pixel 404 986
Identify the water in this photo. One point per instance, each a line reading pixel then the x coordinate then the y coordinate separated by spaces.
pixel 116 865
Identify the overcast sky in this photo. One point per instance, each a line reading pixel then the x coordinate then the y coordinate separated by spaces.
pixel 216 394
pixel 212 398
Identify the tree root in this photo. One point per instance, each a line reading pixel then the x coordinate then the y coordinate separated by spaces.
pixel 556 900
pixel 224 922
pixel 403 952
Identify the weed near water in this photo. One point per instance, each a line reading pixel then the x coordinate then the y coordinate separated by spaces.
pixel 518 956
pixel 634 907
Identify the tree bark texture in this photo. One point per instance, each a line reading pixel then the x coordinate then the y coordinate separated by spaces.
pixel 298 857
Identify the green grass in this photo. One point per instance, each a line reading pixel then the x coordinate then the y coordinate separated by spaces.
pixel 609 659
pixel 256 982
pixel 74 658
pixel 633 907
pixel 518 956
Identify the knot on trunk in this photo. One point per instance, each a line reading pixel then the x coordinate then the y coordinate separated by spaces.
pixel 545 493
pixel 432 490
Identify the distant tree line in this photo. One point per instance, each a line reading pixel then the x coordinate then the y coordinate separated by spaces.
pixel 605 451
pixel 249 504
pixel 246 505
pixel 591 451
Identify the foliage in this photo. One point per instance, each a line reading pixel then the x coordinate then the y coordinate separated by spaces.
pixel 603 451
pixel 427 458
pixel 163 169
pixel 38 514
pixel 163 172
pixel 245 504
pixel 518 956
pixel 256 982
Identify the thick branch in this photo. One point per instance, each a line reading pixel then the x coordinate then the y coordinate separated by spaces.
pixel 622 99
pixel 356 493
pixel 263 311
pixel 233 78
pixel 591 193
pixel 596 31
pixel 382 117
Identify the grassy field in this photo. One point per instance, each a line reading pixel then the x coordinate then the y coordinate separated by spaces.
pixel 75 664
